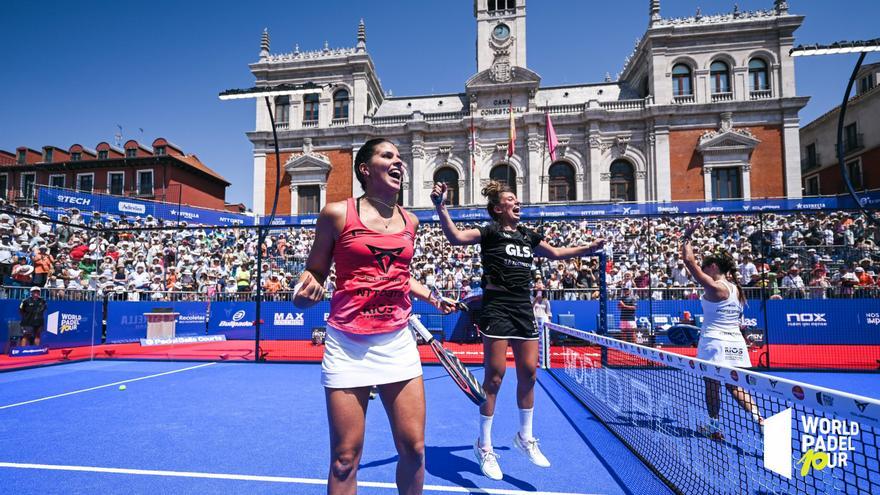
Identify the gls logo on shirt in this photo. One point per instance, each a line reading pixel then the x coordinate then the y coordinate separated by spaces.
pixel 518 251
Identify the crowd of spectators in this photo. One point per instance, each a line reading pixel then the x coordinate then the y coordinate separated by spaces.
pixel 815 255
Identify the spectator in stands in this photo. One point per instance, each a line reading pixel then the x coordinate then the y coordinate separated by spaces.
pixel 543 313
pixel 44 264
pixel 32 311
pixel 627 308
pixel 22 273
pixel 243 278
pixel 792 284
pixel 819 284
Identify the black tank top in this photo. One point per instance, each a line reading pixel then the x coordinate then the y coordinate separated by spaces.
pixel 507 256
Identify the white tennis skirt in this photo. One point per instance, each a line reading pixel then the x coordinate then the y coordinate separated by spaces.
pixel 724 352
pixel 353 360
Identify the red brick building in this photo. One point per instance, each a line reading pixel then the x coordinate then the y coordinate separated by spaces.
pixel 161 172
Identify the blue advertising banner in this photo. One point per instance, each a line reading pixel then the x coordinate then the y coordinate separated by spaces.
pixel 54 198
pixel 824 321
pixel 562 211
pixel 235 320
pixel 284 321
pixel 72 324
pixel 126 321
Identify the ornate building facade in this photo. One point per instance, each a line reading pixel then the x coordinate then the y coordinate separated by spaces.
pixel 705 108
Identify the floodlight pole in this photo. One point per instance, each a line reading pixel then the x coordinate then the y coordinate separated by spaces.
pixel 262 231
pixel 862 48
pixel 841 155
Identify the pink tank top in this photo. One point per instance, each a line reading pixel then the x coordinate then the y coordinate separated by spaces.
pixel 372 277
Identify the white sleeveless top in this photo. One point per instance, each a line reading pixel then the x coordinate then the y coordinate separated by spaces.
pixel 721 319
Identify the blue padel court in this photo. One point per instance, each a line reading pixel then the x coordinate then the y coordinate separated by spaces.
pixel 244 428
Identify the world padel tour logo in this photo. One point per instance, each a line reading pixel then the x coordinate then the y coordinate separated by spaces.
pixel 825 443
pixel 385 257
pixel 59 323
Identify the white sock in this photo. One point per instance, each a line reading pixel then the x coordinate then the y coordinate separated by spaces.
pixel 525 423
pixel 486 432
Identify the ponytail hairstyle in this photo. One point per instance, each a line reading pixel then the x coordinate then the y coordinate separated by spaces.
pixel 727 265
pixel 363 156
pixel 492 192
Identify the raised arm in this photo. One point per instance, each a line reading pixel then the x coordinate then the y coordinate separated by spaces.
pixel 545 250
pixel 714 289
pixel 455 236
pixel 311 282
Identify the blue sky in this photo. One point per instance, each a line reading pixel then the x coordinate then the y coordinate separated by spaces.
pixel 72 71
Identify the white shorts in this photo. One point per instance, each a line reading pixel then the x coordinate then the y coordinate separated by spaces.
pixel 724 352
pixel 353 360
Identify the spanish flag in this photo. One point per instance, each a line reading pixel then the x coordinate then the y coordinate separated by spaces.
pixel 511 146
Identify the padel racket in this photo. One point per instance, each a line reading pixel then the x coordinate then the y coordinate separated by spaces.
pixel 459 373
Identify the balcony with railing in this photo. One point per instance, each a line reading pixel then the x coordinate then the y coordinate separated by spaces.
pixel 339 122
pixel 684 99
pixel 719 97
pixel 562 109
pixel 282 126
pixel 619 105
pixel 310 124
pixel 445 116
pixel 389 120
pixel 810 162
pixel 761 94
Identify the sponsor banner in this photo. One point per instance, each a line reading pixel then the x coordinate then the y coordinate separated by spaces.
pixel 197 339
pixel 28 350
pixel 126 321
pixel 842 404
pixel 235 320
pixel 61 199
pixel 824 321
pixel 71 324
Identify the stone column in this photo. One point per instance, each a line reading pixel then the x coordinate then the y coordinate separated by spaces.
pixel 791 140
pixel 595 183
pixel 740 83
pixel 534 167
pixel 294 199
pixel 702 89
pixel 419 163
pixel 323 200
pixel 707 183
pixel 747 181
pixel 662 163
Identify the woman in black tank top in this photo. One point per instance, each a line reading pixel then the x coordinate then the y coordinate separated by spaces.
pixel 507 250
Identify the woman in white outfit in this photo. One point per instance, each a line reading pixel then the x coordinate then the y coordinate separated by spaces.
pixel 720 338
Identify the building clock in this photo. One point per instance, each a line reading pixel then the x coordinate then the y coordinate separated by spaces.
pixel 501 32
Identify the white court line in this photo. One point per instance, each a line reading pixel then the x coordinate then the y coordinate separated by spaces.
pixel 270 479
pixel 104 386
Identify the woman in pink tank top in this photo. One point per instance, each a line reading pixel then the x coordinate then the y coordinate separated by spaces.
pixel 370 239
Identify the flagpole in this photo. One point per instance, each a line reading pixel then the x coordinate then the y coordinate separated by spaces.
pixel 543 164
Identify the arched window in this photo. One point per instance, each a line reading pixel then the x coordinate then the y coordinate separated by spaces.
pixel 623 181
pixel 720 76
pixel 340 105
pixel 282 110
pixel 450 177
pixel 681 80
pixel 561 182
pixel 758 80
pixel 310 107
pixel 504 173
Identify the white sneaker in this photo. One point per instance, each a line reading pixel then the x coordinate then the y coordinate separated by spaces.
pixel 531 450
pixel 488 462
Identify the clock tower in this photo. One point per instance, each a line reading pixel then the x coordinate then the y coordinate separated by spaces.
pixel 501 36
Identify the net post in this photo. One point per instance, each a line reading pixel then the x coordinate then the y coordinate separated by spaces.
pixel 602 326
